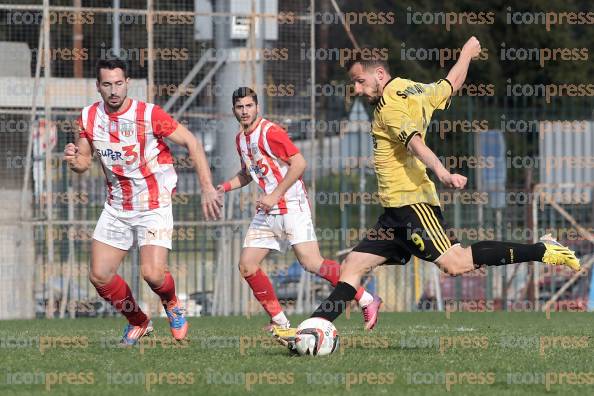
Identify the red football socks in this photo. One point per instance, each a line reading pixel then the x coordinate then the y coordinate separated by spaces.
pixel 166 291
pixel 330 270
pixel 264 292
pixel 118 294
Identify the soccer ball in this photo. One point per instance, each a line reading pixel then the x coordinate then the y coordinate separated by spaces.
pixel 317 337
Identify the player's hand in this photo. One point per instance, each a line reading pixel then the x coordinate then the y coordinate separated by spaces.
pixel 70 153
pixel 221 194
pixel 267 202
pixel 211 203
pixel 472 47
pixel 454 180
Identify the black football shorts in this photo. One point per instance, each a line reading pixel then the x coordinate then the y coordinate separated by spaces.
pixel 417 229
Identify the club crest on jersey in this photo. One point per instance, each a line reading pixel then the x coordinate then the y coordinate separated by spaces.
pixel 259 168
pixel 254 149
pixel 127 129
pixel 260 171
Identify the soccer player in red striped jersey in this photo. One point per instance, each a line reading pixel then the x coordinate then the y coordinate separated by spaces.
pixel 269 158
pixel 127 136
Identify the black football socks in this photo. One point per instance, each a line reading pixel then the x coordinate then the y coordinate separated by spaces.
pixel 335 304
pixel 501 253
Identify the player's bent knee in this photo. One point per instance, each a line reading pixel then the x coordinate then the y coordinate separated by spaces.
pixel 312 265
pixel 451 268
pixel 153 274
pixel 100 278
pixel 246 269
pixel 456 261
pixel 153 270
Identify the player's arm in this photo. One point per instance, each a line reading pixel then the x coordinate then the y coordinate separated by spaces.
pixel 210 200
pixel 297 165
pixel 428 157
pixel 240 180
pixel 78 155
pixel 457 74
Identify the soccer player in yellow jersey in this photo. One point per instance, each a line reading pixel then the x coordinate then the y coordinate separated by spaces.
pixel 412 223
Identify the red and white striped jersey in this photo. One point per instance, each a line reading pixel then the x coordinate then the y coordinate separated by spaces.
pixel 137 163
pixel 264 152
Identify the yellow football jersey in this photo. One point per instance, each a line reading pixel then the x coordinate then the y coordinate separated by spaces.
pixel 405 110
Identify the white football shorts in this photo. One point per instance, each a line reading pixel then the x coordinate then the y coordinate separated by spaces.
pixel 152 227
pixel 277 232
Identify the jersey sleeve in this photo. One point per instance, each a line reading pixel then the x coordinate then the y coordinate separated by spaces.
pixel 439 94
pixel 162 123
pixel 243 166
pixel 399 124
pixel 78 124
pixel 280 144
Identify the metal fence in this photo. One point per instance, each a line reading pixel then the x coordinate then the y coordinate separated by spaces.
pixel 49 212
pixel 175 63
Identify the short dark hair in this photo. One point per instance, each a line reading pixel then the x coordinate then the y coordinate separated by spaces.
pixel 111 64
pixel 366 61
pixel 243 92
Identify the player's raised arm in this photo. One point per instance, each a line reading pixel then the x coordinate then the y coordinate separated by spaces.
pixel 210 200
pixel 78 155
pixel 457 74
pixel 428 157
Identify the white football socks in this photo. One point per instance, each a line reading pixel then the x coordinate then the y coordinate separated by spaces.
pixel 281 320
pixel 366 299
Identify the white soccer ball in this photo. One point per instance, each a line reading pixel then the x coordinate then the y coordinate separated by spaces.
pixel 317 337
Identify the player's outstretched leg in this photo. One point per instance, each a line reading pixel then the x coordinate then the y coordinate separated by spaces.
pixel 105 260
pixel 547 251
pixel 458 260
pixel 308 254
pixel 256 278
pixel 153 264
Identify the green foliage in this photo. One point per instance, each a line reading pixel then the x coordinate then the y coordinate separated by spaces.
pixel 491 35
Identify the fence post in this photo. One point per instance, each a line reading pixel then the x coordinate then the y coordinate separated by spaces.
pixel 535 275
pixel 150 48
pixel 49 312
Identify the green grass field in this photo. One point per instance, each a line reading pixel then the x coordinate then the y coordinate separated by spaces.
pixel 409 353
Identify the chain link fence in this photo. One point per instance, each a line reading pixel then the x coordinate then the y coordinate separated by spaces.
pixel 187 59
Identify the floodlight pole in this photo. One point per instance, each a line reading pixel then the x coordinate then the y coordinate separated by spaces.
pixel 115 38
pixel 238 65
pixel 243 67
